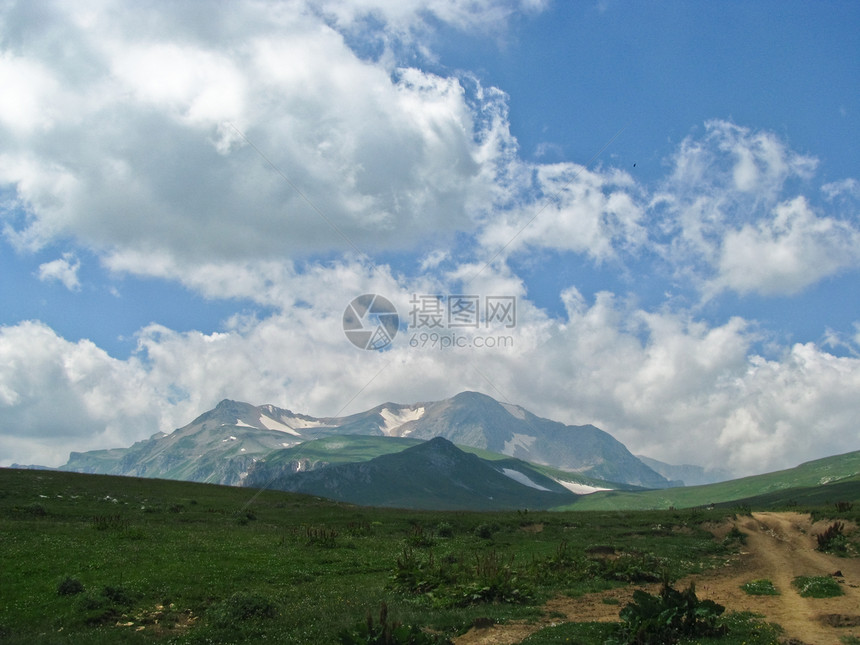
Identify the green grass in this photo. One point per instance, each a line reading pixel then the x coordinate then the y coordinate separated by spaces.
pixel 343 449
pixel 817 587
pixel 810 482
pixel 102 559
pixel 743 629
pixel 760 588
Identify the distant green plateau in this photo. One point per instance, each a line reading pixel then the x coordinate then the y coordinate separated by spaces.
pixel 822 480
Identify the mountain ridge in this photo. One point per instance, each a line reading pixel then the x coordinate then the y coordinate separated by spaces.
pixel 222 445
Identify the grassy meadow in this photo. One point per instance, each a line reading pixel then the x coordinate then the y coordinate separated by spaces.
pixel 102 559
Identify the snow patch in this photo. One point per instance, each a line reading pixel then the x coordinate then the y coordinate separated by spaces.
pixel 271 424
pixel 242 424
pixel 523 441
pixel 297 422
pixel 394 419
pixel 230 438
pixel 521 478
pixel 580 489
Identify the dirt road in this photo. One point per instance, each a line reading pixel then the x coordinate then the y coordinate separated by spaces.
pixel 780 546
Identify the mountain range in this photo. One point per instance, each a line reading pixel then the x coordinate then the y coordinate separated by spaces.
pixel 222 444
pixel 523 460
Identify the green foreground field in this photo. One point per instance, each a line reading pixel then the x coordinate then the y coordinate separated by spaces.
pixel 100 559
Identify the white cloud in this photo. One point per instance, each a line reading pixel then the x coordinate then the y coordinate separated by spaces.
pixel 64 270
pixel 787 253
pixel 406 17
pixel 28 88
pixel 262 137
pixel 268 139
pixel 434 259
pixel 793 407
pixel 846 188
pixel 56 396
pixel 574 209
pixel 725 216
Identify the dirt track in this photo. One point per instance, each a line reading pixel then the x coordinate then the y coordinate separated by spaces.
pixel 780 546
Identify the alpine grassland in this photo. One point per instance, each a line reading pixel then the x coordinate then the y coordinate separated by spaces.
pixel 103 559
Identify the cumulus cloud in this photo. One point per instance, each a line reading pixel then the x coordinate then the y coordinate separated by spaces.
pixel 266 139
pixel 785 254
pixel 729 216
pixel 63 270
pixel 572 208
pixel 726 216
pixel 56 396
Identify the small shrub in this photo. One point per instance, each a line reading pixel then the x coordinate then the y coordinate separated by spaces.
pixel 33 510
pixel 668 617
pixel 107 605
pixel 760 588
pixel 844 507
pixel 109 522
pixel 321 536
pixel 418 537
pixel 243 518
pixel 416 575
pixel 561 562
pixel 444 530
pixel 485 531
pixel 494 580
pixel 734 537
pixel 832 540
pixel 460 582
pixel 70 587
pixel 817 587
pixel 359 529
pixel 119 595
pixel 384 632
pixel 240 607
pixel 634 568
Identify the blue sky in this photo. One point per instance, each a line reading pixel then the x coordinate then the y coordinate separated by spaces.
pixel 190 197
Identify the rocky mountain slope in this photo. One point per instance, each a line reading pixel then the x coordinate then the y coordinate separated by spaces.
pixel 223 444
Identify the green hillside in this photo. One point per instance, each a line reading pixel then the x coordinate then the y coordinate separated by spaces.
pixel 818 473
pixel 343 449
pixel 97 559
pixel 828 495
pixel 433 474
